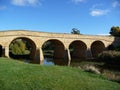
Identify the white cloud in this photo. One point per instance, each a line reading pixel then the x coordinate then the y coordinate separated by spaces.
pixel 116 4
pixel 98 12
pixel 2 7
pixel 78 1
pixel 26 2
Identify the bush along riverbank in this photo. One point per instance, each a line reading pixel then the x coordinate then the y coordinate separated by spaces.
pixel 110 70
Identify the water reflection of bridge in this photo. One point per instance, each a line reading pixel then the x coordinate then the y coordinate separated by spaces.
pixel 85 46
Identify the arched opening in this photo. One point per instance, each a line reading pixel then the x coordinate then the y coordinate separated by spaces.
pixel 96 48
pixel 78 50
pixel 54 51
pixel 23 48
pixel 111 47
pixel 0 50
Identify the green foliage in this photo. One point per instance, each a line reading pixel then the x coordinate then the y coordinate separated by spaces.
pixel 111 57
pixel 48 46
pixel 75 31
pixel 117 48
pixel 115 31
pixel 15 75
pixel 28 45
pixel 18 47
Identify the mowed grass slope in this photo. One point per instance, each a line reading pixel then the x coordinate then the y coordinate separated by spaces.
pixel 16 75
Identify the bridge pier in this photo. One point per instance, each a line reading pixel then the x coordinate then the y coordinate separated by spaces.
pixel 89 54
pixel 39 56
pixel 6 51
pixel 68 56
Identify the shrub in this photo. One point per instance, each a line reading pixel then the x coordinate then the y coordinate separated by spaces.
pixel 92 69
pixel 110 57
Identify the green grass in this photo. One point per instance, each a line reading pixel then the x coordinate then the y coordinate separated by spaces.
pixel 16 75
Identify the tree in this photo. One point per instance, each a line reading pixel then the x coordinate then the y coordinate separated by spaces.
pixel 115 31
pixel 75 31
pixel 47 46
pixel 17 47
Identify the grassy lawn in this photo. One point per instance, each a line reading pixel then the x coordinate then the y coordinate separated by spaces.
pixel 16 75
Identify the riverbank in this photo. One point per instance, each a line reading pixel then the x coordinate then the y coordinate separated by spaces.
pixel 16 75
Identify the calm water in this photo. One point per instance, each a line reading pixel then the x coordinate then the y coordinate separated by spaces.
pixel 48 61
pixel 51 61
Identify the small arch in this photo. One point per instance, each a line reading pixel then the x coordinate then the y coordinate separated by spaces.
pixel 1 51
pixel 96 48
pixel 78 50
pixel 54 47
pixel 30 49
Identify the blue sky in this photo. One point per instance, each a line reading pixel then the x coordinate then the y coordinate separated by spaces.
pixel 60 16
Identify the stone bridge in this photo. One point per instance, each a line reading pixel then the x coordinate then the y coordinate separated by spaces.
pixel 85 46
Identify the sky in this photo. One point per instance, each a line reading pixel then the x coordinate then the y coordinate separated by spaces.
pixel 60 16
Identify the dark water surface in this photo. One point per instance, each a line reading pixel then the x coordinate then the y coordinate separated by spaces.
pixel 51 61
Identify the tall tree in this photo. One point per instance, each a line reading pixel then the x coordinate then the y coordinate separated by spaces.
pixel 115 31
pixel 18 47
pixel 75 31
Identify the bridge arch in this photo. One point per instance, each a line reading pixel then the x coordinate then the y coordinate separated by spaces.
pixel 97 47
pixel 57 47
pixel 1 51
pixel 78 49
pixel 31 47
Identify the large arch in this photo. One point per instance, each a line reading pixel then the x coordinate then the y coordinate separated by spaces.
pixel 57 47
pixel 78 50
pixel 96 48
pixel 32 46
pixel 0 50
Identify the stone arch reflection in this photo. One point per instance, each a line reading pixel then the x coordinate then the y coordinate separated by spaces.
pixel 54 49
